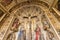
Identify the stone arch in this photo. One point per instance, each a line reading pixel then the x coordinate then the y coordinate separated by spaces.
pixel 40 3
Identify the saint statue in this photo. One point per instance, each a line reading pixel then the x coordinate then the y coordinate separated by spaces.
pixel 38 33
pixel 21 34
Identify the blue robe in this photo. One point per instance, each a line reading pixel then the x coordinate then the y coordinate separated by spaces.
pixel 20 34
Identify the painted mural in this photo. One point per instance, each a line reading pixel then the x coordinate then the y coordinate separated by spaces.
pixel 6 2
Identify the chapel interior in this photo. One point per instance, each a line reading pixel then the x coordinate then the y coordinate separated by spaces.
pixel 29 19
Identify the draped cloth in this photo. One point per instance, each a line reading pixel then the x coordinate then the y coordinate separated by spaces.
pixel 38 33
pixel 21 34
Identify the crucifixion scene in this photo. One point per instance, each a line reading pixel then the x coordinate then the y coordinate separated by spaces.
pixel 29 19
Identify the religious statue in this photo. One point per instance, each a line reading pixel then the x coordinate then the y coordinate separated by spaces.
pixel 38 33
pixel 21 34
pixel 15 25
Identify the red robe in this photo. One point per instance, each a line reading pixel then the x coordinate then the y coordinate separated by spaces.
pixel 37 33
